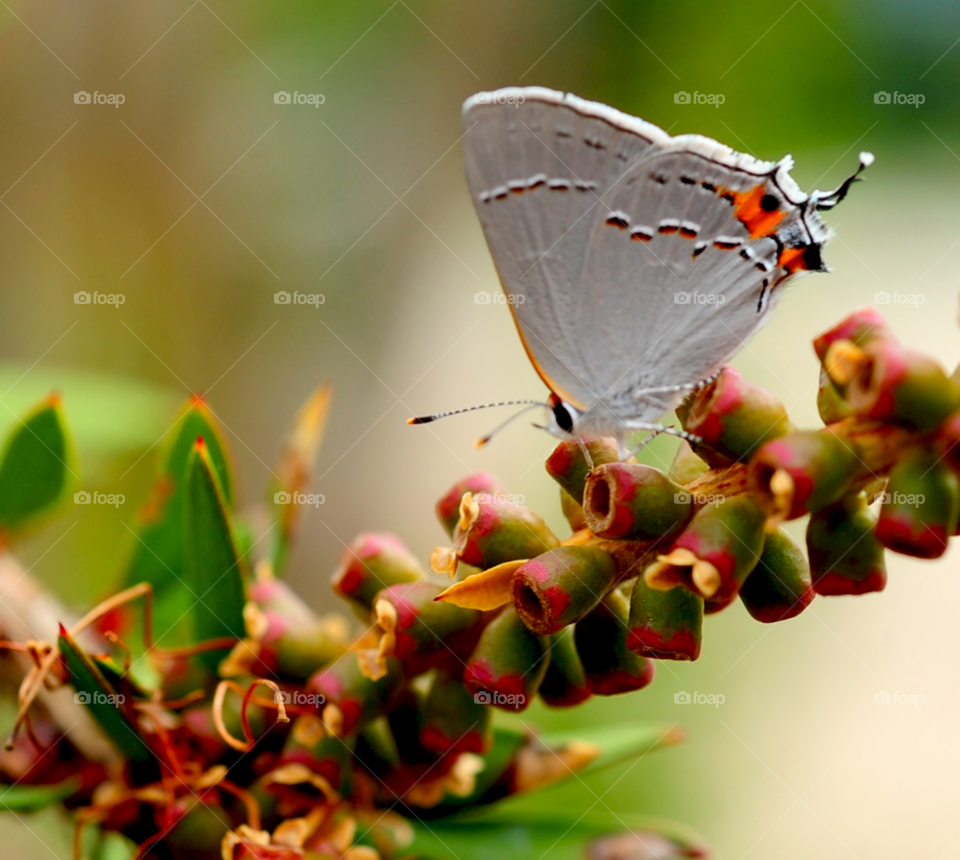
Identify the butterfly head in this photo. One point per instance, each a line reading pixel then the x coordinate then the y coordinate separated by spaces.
pixel 562 417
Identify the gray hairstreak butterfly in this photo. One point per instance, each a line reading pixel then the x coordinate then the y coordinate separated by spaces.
pixel 634 263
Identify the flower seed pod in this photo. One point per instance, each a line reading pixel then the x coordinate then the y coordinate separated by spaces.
pixel 610 666
pixel 565 683
pixel 490 532
pixel 845 555
pixel 665 625
pixel 920 508
pixel 634 502
pixel 779 587
pixel 349 698
pixel 734 417
pixel 572 511
pixel 899 385
pixel 559 587
pixel 373 561
pixel 567 466
pixel 508 664
pixel 715 553
pixel 448 508
pixel 801 472
pixel 452 721
pixel 417 627
pixel 860 328
pixel 831 403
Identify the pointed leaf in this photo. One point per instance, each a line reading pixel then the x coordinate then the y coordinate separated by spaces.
pixel 35 469
pixel 485 590
pixel 214 570
pixel 101 699
pixel 31 798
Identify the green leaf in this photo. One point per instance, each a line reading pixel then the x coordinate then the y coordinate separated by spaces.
pixel 214 570
pixel 101 699
pixel 35 467
pixel 31 798
pixel 158 554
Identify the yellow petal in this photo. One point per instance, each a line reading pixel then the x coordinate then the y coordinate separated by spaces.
pixel 486 590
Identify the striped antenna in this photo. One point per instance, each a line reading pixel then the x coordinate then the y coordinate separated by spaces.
pixel 427 419
pixel 484 439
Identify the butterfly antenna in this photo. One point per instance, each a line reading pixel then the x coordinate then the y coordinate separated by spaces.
pixel 484 439
pixel 828 199
pixel 427 419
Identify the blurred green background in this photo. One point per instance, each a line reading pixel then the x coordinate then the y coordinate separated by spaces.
pixel 363 200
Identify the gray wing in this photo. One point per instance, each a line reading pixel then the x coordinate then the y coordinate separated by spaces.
pixel 539 165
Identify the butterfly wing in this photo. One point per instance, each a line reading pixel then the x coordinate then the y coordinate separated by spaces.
pixel 538 165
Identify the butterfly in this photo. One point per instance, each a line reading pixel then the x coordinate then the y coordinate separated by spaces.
pixel 634 263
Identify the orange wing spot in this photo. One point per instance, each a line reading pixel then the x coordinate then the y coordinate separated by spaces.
pixel 752 214
pixel 792 259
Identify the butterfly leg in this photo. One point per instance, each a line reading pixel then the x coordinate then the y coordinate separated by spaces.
pixel 676 389
pixel 662 428
pixel 586 452
pixel 643 444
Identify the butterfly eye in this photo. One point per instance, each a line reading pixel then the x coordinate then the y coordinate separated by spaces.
pixel 563 417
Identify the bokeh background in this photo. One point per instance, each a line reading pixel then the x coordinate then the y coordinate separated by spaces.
pixel 363 200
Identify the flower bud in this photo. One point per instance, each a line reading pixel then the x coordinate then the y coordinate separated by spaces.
pixel 572 511
pixel 634 502
pixel 845 555
pixel 948 438
pixel 508 664
pixel 351 699
pixel 559 587
pixel 801 472
pixel 567 466
pixel 373 561
pixel 831 403
pixel 733 417
pixel 860 328
pixel 448 508
pixel 452 720
pixel 565 683
pixel 779 587
pixel 899 385
pixel 686 465
pixel 920 508
pixel 715 553
pixel 665 625
pixel 490 532
pixel 601 638
pixel 326 755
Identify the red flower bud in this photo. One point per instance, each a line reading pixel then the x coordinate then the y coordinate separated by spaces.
pixel 860 327
pixel 565 683
pixel 601 638
pixel 734 417
pixel 665 625
pixel 567 466
pixel 452 721
pixel 559 587
pixel 448 508
pixel 508 664
pixel 373 561
pixel 845 555
pixel 779 587
pixel 634 501
pixel 356 698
